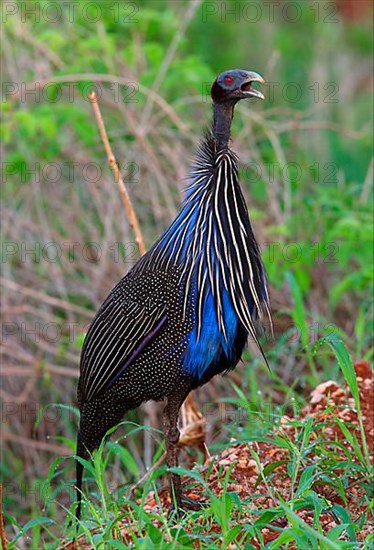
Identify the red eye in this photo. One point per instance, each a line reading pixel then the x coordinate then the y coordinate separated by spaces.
pixel 228 80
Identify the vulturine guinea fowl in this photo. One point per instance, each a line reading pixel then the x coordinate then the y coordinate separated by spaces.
pixel 184 312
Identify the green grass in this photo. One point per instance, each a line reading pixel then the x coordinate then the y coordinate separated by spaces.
pixel 226 519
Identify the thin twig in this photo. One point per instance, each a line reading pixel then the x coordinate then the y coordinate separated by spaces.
pixel 11 370
pixel 21 32
pixel 129 209
pixel 368 183
pixel 115 79
pixel 154 467
pixel 41 297
pixel 4 542
pixel 38 445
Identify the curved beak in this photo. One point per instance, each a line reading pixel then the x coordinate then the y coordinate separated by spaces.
pixel 246 87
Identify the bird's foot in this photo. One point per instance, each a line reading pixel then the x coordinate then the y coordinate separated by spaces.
pixel 186 504
pixel 192 504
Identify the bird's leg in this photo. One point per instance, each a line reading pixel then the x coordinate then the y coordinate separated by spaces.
pixel 172 435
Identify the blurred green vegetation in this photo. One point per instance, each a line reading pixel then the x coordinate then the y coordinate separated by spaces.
pixel 306 171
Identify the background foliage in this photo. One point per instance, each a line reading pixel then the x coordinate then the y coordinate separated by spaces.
pixel 306 173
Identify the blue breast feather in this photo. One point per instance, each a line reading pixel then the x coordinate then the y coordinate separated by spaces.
pixel 210 350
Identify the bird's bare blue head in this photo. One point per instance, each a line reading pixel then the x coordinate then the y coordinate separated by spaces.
pixel 229 88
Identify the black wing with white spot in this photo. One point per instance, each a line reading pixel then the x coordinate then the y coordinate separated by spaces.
pixel 123 327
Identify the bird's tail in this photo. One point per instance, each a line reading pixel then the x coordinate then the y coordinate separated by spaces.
pixel 82 453
pixel 89 438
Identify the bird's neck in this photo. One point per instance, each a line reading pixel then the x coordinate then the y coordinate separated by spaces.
pixel 222 118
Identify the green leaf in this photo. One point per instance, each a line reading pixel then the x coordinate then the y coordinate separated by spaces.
pixel 346 365
pixel 267 517
pixel 307 479
pixel 336 532
pixel 33 523
pixel 345 518
pixel 126 457
pixel 154 533
pixel 231 535
pixel 113 543
pixel 298 311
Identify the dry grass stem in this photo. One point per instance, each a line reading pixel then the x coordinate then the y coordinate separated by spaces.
pixel 125 197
